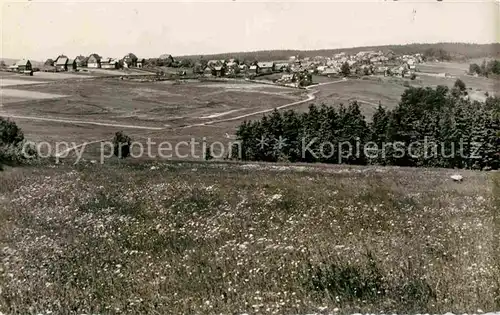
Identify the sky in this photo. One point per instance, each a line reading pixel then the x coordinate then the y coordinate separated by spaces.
pixel 41 29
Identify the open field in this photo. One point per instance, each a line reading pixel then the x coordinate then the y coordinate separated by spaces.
pixel 40 77
pixel 153 103
pixel 16 81
pixel 79 108
pixel 367 92
pixel 12 96
pixel 457 71
pixel 166 238
pixel 453 68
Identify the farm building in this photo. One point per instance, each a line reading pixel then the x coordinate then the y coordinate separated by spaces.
pixel 23 65
pixel 61 63
pixel 254 69
pixel 130 60
pixel 216 71
pixel 94 61
pixel 288 78
pixel 208 72
pixel 81 62
pixel 266 67
pixel 282 66
pixel 243 67
pixel 141 62
pixel 166 58
pixel 214 62
pixel 71 65
pixel 219 71
pixel 232 68
pixel 109 63
pixel 321 69
pixel 381 70
pixel 330 71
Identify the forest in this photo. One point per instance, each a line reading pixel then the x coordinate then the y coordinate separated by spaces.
pixel 440 51
pixel 430 127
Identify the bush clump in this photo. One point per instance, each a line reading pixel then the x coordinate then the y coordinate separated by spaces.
pixel 121 145
pixel 13 148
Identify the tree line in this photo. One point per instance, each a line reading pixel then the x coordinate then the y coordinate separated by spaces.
pixel 442 51
pixel 486 68
pixel 430 127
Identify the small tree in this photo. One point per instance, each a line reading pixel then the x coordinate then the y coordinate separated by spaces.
pixel 345 69
pixel 49 62
pixel 474 69
pixel 121 145
pixel 459 84
pixel 11 144
pixel 208 154
pixel 186 63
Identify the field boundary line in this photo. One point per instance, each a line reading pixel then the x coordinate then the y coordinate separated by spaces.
pixel 84 122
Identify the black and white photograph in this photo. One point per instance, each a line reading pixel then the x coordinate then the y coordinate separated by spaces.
pixel 240 157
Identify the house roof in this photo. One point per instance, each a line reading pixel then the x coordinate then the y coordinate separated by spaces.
pixel 108 60
pixel 282 64
pixel 166 56
pixel 96 56
pixel 266 64
pixel 218 68
pixel 71 61
pixel 330 71
pixel 61 61
pixel 22 62
pixel 130 56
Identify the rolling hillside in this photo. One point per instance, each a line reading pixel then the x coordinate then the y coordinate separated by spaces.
pixel 222 238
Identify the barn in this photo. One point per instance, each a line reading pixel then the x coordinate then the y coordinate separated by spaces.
pixel 219 71
pixel 23 65
pixel 141 62
pixel 109 63
pixel 167 58
pixel 61 63
pixel 254 69
pixel 266 67
pixel 71 65
pixel 81 61
pixel 94 61
pixel 130 60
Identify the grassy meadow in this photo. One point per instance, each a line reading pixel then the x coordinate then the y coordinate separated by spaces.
pixel 224 238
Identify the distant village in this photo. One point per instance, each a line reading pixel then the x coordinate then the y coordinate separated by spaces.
pixel 294 71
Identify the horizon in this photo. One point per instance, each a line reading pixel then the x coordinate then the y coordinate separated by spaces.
pixel 113 29
pixel 257 51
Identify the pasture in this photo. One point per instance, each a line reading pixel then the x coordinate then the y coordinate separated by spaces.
pixel 87 108
pixel 167 238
